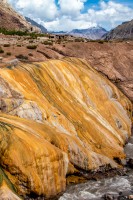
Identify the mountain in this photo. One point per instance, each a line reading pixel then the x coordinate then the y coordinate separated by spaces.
pixel 11 20
pixel 34 23
pixel 123 31
pixel 59 32
pixel 92 33
pixel 58 119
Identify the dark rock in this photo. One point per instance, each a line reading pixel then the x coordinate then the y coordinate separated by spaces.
pixel 130 162
pixel 108 197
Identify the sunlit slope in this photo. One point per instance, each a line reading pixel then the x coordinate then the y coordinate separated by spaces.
pixel 57 117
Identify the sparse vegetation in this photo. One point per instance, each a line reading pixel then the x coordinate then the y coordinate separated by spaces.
pixel 31 46
pixel 30 54
pixel 1 50
pixel 79 40
pixel 19 45
pixel 6 45
pixel 8 54
pixel 31 41
pixel 101 42
pixel 48 42
pixel 58 41
pixel 22 33
pixel 22 57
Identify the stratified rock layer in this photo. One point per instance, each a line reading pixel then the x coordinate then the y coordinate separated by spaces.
pixel 56 118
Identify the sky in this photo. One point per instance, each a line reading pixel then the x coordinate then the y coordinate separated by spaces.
pixel 66 15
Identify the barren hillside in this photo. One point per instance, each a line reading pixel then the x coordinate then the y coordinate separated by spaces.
pixel 11 20
pixel 113 59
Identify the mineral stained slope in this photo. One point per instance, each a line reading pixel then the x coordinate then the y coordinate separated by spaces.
pixel 57 118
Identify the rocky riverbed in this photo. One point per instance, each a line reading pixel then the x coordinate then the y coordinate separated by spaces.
pixel 119 187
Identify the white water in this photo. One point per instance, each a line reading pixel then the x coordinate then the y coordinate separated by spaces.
pixel 94 190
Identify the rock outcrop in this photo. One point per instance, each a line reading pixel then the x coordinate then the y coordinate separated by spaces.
pixel 121 32
pixel 11 20
pixel 58 118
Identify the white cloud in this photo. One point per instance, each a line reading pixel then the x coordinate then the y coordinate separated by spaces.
pixel 67 24
pixel 43 9
pixel 111 13
pixel 71 7
pixel 67 14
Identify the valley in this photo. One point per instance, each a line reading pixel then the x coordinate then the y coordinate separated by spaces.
pixel 66 101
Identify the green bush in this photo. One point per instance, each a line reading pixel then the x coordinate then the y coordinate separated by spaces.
pixel 31 46
pixel 19 45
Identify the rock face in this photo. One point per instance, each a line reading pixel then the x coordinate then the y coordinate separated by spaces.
pixel 58 118
pixel 123 31
pixel 93 33
pixel 11 20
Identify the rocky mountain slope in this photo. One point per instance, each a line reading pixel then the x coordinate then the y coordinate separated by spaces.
pixel 92 33
pixel 57 118
pixel 11 20
pixel 33 23
pixel 123 31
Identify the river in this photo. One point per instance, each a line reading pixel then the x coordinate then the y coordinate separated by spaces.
pixel 117 187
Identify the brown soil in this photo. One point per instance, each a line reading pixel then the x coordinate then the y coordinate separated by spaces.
pixel 113 59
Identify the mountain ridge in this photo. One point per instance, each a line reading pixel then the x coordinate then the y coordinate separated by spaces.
pixel 92 33
pixel 123 31
pixel 34 23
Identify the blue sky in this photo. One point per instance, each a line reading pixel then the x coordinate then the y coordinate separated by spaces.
pixel 96 2
pixel 57 15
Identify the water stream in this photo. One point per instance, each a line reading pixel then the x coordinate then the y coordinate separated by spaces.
pixel 95 190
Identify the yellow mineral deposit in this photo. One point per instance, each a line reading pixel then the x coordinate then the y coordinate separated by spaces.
pixel 58 117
